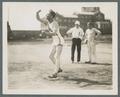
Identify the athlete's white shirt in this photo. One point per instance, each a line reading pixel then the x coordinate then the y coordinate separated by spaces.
pixel 57 39
pixel 91 33
pixel 76 32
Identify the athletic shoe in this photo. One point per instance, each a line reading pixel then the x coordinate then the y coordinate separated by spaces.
pixel 53 75
pixel 87 62
pixel 93 63
pixel 72 62
pixel 60 70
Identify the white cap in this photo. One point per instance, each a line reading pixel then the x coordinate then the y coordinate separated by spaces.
pixel 77 22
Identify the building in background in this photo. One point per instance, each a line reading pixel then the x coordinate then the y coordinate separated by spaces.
pixel 87 14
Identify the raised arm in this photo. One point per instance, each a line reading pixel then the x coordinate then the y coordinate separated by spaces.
pixel 40 19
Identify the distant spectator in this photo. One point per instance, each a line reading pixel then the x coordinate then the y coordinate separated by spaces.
pixel 90 35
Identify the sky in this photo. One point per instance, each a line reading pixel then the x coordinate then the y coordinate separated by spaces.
pixel 22 16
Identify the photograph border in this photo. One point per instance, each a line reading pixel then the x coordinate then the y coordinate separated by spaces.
pixel 1 51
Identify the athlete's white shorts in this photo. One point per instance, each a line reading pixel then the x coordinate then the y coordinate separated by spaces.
pixel 57 41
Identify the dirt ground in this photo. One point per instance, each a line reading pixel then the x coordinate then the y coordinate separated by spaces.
pixel 29 66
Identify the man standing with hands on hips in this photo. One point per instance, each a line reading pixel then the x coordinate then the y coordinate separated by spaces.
pixel 77 36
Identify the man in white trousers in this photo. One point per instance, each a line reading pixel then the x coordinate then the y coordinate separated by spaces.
pixel 58 41
pixel 77 36
pixel 90 35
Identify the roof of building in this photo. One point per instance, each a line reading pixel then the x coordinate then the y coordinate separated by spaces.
pixel 67 15
pixel 71 16
pixel 86 13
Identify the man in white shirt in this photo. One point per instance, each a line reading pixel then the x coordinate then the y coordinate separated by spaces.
pixel 77 36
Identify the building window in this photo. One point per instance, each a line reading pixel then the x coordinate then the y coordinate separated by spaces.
pixel 65 20
pixel 69 20
pixel 59 20
pixel 73 20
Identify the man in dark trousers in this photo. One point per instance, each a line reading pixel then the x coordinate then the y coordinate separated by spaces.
pixel 77 36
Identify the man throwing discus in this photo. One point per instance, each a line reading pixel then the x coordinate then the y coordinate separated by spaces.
pixel 58 41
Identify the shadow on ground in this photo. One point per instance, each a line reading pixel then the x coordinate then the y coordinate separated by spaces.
pixel 87 82
pixel 98 64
